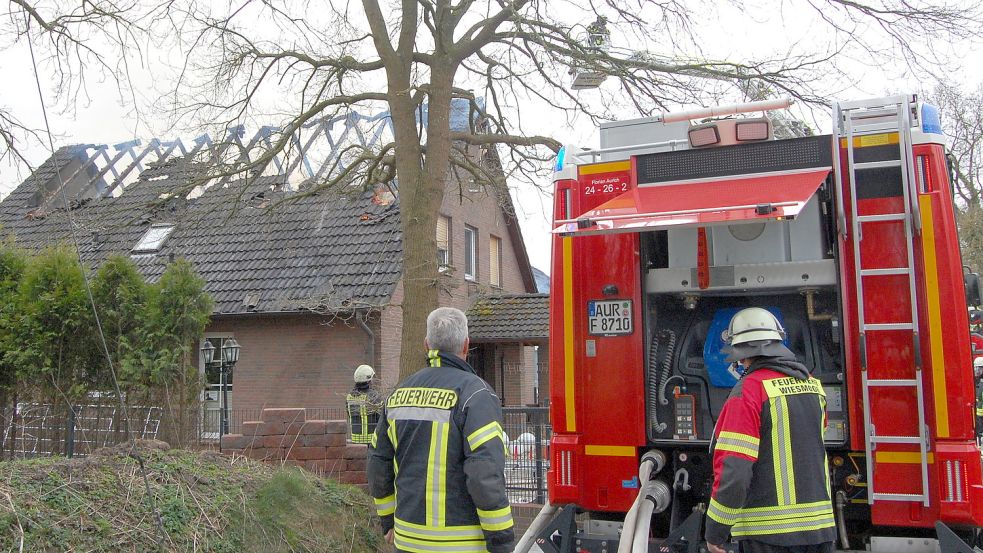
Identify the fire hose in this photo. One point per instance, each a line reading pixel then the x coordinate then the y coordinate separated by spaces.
pixel 652 462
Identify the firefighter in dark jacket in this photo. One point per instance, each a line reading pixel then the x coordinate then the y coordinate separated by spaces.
pixel 771 480
pixel 437 459
pixel 363 405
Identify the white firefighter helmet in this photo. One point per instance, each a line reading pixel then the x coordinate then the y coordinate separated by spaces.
pixel 978 366
pixel 364 373
pixel 753 324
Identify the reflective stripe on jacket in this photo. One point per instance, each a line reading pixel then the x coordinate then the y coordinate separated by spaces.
pixel 363 414
pixel 437 462
pixel 771 477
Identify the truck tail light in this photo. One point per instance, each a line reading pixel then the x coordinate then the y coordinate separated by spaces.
pixel 960 477
pixel 564 473
pixel 954 485
pixel 564 469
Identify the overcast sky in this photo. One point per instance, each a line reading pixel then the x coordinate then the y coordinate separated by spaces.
pixel 101 116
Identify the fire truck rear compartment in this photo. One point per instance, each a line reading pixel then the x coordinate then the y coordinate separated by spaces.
pixel 687 378
pixel 684 396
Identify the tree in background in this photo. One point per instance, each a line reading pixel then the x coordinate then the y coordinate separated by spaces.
pixel 962 122
pixel 12 262
pixel 414 57
pixel 122 296
pixel 161 365
pixel 52 345
pixel 51 350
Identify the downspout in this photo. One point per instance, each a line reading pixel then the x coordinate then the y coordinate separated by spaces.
pixel 368 331
pixel 501 372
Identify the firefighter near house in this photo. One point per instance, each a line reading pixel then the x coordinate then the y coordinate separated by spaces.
pixel 849 240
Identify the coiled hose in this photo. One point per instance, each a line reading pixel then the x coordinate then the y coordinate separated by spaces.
pixel 661 372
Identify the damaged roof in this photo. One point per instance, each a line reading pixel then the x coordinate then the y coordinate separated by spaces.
pixel 512 317
pixel 324 250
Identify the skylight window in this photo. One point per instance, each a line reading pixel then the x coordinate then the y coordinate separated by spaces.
pixel 153 239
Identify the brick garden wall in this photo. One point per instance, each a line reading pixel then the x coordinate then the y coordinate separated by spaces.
pixel 285 436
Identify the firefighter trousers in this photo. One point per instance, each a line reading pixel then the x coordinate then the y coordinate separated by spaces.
pixel 751 546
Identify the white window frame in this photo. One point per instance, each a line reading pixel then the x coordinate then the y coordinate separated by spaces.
pixel 153 238
pixel 470 260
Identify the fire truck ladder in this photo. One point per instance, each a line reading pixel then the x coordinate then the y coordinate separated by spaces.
pixel 857 119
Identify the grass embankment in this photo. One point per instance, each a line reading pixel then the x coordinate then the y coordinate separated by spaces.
pixel 206 502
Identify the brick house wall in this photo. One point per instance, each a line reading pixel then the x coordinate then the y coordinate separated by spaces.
pixel 293 360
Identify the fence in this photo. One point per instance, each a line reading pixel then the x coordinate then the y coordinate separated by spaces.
pixel 529 432
pixel 42 430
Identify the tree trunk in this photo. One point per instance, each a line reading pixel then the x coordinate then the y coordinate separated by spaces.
pixel 420 199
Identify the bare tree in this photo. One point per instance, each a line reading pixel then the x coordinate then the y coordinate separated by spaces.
pixel 416 56
pixel 71 43
pixel 962 115
pixel 962 118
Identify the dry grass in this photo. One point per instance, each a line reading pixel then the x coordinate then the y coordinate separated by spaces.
pixel 206 502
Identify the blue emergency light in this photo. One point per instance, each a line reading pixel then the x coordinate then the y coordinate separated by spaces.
pixel 931 119
pixel 560 158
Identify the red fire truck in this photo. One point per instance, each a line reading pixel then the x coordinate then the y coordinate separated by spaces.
pixel 672 226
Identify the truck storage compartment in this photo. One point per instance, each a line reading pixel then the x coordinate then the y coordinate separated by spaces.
pixel 687 377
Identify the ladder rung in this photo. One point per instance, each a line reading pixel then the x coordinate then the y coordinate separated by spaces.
pixel 889 102
pixel 892 382
pixel 877 164
pixel 888 326
pixel 885 272
pixel 884 217
pixel 873 111
pixel 896 439
pixel 877 125
pixel 899 496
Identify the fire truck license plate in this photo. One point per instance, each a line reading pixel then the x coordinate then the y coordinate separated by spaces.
pixel 609 317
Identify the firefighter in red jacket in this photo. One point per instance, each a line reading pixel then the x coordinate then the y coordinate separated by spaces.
pixel 771 483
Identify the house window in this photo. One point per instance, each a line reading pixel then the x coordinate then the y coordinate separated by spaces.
pixel 213 400
pixel 495 260
pixel 470 253
pixel 153 239
pixel 443 241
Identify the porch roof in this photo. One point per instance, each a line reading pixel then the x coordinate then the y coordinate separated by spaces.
pixel 509 318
